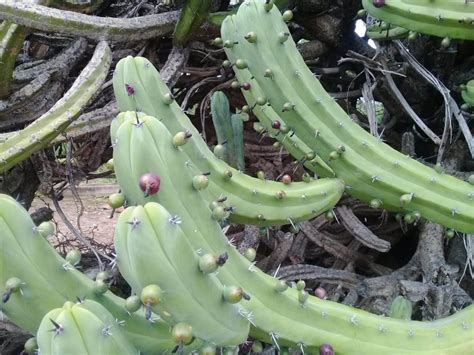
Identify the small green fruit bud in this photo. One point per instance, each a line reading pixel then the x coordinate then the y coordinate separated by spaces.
pixel 268 73
pixel 46 229
pixel 470 179
pixel 261 101
pixel 300 285
pixel 200 182
pixel 182 333
pixel 102 275
pixel 405 199
pixel 235 85
pixel 261 175
pixel 240 64
pixel 73 257
pixel 109 165
pixel 287 106
pixel 446 42
pixel 228 44
pixel 100 287
pixel 251 37
pixel 283 37
pixel 151 295
pixel 268 5
pixel 133 303
pixel 209 262
pixel 281 286
pixel 306 177
pixel 401 308
pixel 218 41
pixel 361 13
pixel 181 138
pixel 449 233
pixel 116 200
pixel 302 296
pixel 31 346
pixel 208 349
pixel 226 64
pixel 168 98
pixel 257 347
pixel 287 15
pixel 375 203
pixel 250 254
pixel 13 284
pixel 234 294
pixel 219 151
pixel 334 155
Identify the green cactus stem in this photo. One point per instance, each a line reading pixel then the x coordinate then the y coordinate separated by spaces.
pixel 380 33
pixel 441 18
pixel 370 168
pixel 48 280
pixel 243 192
pixel 468 93
pixel 157 252
pixel 193 14
pixel 229 130
pixel 82 328
pixel 277 317
pixel 94 27
pixel 11 42
pixel 38 134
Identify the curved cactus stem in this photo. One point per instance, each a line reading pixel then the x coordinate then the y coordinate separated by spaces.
pixel 442 18
pixel 150 95
pixel 157 252
pixel 282 317
pixel 370 168
pixel 38 134
pixel 94 27
pixel 250 200
pixel 82 328
pixel 380 33
pixel 193 14
pixel 48 281
pixel 11 42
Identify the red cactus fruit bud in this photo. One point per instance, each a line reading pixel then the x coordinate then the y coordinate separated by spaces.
pixel 286 179
pixel 326 349
pixel 320 293
pixel 129 89
pixel 149 183
pixel 245 86
pixel 379 3
pixel 276 124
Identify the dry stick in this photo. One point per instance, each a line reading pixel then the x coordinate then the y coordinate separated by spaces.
pixel 363 234
pixel 94 27
pixel 78 234
pixel 406 106
pixel 176 61
pixel 312 272
pixel 450 106
pixel 369 102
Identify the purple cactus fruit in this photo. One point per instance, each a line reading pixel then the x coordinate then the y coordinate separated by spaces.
pixel 149 183
pixel 320 293
pixel 276 124
pixel 129 89
pixel 326 349
pixel 245 86
pixel 379 3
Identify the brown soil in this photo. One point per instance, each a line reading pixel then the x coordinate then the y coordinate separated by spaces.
pixel 95 222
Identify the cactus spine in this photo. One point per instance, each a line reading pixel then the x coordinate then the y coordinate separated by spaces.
pixel 290 317
pixel 302 200
pixel 370 168
pixel 57 119
pixel 442 18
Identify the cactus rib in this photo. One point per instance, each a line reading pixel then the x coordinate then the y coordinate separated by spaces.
pixel 302 200
pixel 370 168
pixel 57 119
pixel 94 27
pixel 442 18
pixel 282 318
pixel 82 328
pixel 49 281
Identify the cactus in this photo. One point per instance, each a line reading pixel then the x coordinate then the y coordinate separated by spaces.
pixel 38 134
pixel 229 129
pixel 11 42
pixel 468 93
pixel 441 18
pixel 281 315
pixel 193 14
pixel 401 308
pixel 82 328
pixel 386 33
pixel 301 200
pixel 370 168
pixel 94 27
pixel 155 251
pixel 47 281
